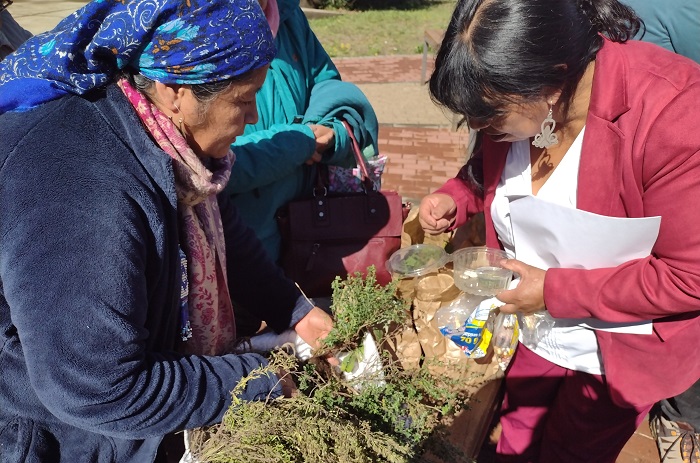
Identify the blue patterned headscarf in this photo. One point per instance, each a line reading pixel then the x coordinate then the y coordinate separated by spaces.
pixel 170 41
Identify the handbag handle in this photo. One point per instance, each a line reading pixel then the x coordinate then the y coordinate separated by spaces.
pixel 360 159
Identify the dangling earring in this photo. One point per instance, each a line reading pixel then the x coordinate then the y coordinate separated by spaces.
pixel 546 137
pixel 180 120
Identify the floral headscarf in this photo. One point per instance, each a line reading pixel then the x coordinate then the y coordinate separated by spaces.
pixel 171 41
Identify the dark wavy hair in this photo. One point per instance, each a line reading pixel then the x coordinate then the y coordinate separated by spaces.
pixel 497 52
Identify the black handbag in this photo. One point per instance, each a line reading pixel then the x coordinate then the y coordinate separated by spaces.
pixel 338 234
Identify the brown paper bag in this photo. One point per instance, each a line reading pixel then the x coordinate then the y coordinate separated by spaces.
pixel 427 294
pixel 433 292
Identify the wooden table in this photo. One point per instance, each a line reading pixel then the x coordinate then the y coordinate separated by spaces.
pixel 472 426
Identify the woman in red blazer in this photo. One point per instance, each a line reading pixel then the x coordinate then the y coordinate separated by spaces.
pixel 562 76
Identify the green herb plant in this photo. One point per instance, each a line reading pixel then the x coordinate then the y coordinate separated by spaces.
pixel 394 417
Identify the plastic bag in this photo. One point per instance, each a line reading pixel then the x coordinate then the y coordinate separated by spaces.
pixel 535 327
pixel 505 338
pixel 465 322
pixel 349 180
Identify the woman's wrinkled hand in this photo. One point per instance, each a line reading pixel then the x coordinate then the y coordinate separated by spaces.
pixel 437 212
pixel 528 296
pixel 325 140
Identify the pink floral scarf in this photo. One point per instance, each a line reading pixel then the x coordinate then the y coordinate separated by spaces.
pixel 202 236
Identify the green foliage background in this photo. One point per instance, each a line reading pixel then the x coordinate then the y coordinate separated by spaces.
pixel 374 32
pixel 371 4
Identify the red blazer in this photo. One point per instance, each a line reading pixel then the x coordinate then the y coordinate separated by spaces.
pixel 640 157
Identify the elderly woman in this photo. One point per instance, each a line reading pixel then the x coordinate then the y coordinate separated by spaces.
pixel 118 273
pixel 577 119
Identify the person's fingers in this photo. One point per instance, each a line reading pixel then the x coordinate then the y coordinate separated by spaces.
pixel 436 213
pixel 443 224
pixel 508 308
pixel 427 221
pixel 426 216
pixel 324 135
pixel 514 265
pixel 432 226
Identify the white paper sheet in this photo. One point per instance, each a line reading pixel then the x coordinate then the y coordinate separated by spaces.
pixel 369 369
pixel 548 235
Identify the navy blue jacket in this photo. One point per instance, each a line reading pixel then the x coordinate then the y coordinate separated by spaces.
pixel 89 288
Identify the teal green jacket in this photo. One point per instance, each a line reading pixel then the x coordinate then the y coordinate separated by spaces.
pixel 672 24
pixel 302 83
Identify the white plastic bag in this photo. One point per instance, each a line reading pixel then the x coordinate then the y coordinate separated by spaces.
pixel 466 323
pixel 535 327
pixel 505 338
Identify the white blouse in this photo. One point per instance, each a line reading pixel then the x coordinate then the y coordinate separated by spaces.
pixel 567 344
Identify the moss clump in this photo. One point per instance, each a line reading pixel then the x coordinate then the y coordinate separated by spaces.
pixel 335 420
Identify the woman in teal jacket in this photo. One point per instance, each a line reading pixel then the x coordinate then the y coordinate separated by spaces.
pixel 301 101
pixel 674 25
